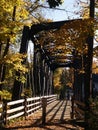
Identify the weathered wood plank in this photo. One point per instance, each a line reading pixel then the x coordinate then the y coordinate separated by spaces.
pixel 15 109
pixel 15 102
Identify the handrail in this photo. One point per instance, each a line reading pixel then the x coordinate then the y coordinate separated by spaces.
pixel 23 107
pixel 78 109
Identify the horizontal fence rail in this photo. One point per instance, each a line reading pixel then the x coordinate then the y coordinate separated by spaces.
pixel 1 109
pixel 32 105
pixel 78 109
pixel 23 107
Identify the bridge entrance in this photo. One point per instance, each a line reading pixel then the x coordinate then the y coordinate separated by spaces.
pixel 54 47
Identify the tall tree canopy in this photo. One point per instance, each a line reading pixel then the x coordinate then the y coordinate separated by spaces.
pixel 14 14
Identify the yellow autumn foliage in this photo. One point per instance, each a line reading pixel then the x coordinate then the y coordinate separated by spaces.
pixel 11 20
pixel 57 83
pixel 15 61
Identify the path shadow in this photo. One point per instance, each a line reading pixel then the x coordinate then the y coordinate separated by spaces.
pixel 63 125
pixel 51 123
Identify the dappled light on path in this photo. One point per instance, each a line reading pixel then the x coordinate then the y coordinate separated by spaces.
pixel 57 118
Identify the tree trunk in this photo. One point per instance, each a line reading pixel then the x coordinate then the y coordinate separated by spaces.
pixel 17 88
pixel 3 67
pixel 88 68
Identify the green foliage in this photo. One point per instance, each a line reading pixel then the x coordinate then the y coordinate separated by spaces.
pixel 27 92
pixel 5 95
pixel 66 77
pixel 14 120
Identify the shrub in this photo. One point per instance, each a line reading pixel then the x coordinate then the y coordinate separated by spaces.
pixel 5 95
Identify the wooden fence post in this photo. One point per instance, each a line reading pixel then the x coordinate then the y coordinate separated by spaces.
pixel 44 105
pixel 5 112
pixel 25 107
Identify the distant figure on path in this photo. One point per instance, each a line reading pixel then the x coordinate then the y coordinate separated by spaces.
pixel 68 95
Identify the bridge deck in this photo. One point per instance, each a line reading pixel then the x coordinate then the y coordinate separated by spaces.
pixel 58 110
pixel 57 118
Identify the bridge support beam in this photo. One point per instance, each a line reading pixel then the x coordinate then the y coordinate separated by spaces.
pixel 36 71
pixel 17 88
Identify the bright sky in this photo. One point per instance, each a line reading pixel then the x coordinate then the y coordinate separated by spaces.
pixel 67 11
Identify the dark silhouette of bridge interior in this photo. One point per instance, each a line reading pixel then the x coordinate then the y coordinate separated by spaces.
pixel 48 56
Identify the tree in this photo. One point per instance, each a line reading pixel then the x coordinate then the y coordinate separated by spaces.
pixel 66 77
pixel 10 22
pixel 57 83
pixel 66 81
pixel 14 15
pixel 31 8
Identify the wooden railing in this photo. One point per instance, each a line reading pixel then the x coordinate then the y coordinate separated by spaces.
pixel 51 98
pixel 78 109
pixel 1 109
pixel 24 107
